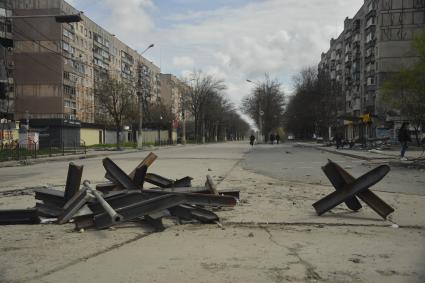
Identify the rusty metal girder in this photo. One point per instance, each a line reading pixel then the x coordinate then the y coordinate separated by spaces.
pixel 371 199
pixel 147 161
pixel 139 209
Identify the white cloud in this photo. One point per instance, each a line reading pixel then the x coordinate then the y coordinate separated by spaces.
pixel 278 37
pixel 183 62
pixel 130 18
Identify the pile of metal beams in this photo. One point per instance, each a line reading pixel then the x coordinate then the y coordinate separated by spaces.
pixel 124 198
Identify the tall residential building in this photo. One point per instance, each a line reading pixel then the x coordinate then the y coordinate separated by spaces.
pixel 377 41
pixel 6 62
pixel 58 64
pixel 171 93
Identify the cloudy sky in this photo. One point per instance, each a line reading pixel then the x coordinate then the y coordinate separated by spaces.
pixel 233 39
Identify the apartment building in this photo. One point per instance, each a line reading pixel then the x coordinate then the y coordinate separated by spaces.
pixel 171 95
pixel 6 63
pixel 377 41
pixel 57 66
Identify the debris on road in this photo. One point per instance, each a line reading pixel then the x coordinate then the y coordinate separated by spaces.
pixel 123 199
pixel 348 188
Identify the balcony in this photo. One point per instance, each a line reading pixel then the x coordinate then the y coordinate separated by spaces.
pixel 370 14
pixel 370 43
pixel 370 59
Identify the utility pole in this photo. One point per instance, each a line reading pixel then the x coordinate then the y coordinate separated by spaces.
pixel 140 101
pixel 184 128
pixel 260 113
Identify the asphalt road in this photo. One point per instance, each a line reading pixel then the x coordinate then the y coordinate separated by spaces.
pixel 272 235
pixel 287 162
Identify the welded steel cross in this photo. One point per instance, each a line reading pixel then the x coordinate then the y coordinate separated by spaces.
pixel 348 188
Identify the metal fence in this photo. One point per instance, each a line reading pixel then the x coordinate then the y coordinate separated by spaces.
pixel 22 151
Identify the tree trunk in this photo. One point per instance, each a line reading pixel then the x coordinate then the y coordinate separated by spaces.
pixel 118 129
pixel 418 140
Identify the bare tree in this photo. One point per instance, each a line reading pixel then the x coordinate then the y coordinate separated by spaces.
pixel 201 91
pixel 265 105
pixel 314 106
pixel 116 101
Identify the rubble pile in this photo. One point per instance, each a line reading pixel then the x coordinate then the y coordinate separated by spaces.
pixel 123 199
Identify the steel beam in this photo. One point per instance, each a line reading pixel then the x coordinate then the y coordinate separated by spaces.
pixel 371 199
pixel 334 175
pixel 183 190
pixel 360 184
pixel 139 209
pixel 158 180
pixel 197 213
pixel 19 216
pixel 48 210
pixel 183 182
pixel 50 196
pixel 115 217
pixel 210 185
pixel 73 180
pixel 145 162
pixel 74 204
pixel 163 182
pixel 118 175
pixel 107 187
pixel 119 201
pixel 198 199
pixel 140 176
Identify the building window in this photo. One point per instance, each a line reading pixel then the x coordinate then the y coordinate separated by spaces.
pixel 70 90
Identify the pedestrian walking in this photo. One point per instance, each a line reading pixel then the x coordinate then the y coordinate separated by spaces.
pixel 277 138
pixel 338 140
pixel 272 137
pixel 404 138
pixel 251 140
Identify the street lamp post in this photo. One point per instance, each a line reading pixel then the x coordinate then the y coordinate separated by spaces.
pixel 140 94
pixel 159 130
pixel 260 114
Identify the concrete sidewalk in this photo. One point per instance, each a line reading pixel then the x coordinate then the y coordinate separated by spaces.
pixel 91 153
pixel 391 156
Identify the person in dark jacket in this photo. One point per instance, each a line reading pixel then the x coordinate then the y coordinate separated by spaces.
pixel 272 137
pixel 338 140
pixel 277 138
pixel 251 140
pixel 404 138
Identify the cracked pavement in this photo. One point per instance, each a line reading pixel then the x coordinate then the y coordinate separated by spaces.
pixel 273 235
